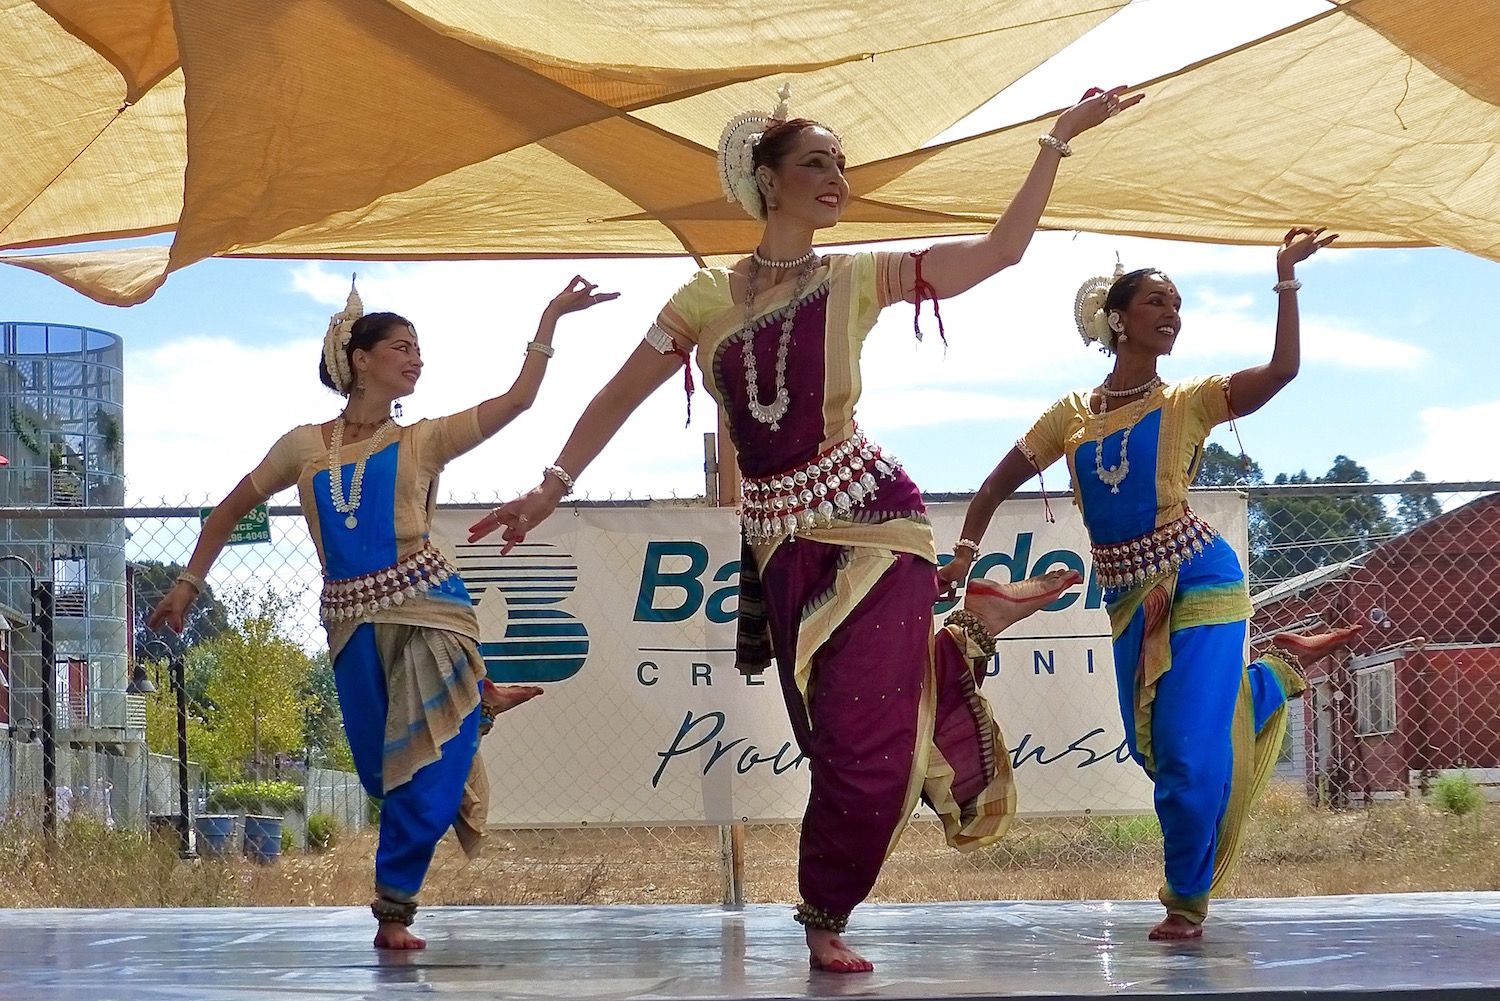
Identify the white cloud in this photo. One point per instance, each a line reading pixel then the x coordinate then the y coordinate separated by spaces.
pixel 1454 445
pixel 201 413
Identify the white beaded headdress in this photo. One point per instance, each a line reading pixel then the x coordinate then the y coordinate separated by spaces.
pixel 737 151
pixel 1089 312
pixel 336 341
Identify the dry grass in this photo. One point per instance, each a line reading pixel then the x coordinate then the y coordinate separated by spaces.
pixel 1293 849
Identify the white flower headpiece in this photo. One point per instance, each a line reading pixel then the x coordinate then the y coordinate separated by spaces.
pixel 336 341
pixel 737 152
pixel 1089 312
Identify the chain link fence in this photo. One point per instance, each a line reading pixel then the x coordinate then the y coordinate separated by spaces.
pixel 228 738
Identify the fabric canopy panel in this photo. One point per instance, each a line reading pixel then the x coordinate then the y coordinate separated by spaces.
pixel 377 128
pixel 1378 120
pixel 525 128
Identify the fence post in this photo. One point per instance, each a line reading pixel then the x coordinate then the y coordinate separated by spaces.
pixel 725 491
pixel 44 607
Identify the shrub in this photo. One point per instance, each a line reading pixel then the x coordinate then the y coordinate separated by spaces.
pixel 1125 833
pixel 322 831
pixel 288 839
pixel 1457 793
pixel 257 797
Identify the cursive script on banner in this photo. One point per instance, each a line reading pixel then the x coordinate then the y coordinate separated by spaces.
pixel 698 731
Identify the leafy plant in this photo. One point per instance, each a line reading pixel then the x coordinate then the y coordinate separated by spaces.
pixel 322 831
pixel 27 429
pixel 1457 793
pixel 109 429
pixel 257 797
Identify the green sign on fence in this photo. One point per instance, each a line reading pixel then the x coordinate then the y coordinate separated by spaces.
pixel 253 527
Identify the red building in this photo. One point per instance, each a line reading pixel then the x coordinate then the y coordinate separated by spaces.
pixel 1418 692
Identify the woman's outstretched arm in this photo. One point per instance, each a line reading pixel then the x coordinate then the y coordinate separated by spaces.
pixel 171 611
pixel 643 372
pixel 499 411
pixel 1251 388
pixel 959 265
pixel 1004 480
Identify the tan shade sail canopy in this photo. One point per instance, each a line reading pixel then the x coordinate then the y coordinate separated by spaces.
pixel 426 129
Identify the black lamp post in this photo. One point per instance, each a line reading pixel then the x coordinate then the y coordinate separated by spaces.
pixel 140 683
pixel 41 621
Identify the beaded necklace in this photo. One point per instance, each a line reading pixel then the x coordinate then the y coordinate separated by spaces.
pixel 336 469
pixel 771 413
pixel 1115 475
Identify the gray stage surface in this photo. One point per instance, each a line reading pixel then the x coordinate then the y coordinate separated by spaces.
pixel 1411 946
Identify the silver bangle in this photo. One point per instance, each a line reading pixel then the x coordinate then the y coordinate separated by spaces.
pixel 540 348
pixel 1289 285
pixel 562 475
pixel 968 544
pixel 192 580
pixel 1048 139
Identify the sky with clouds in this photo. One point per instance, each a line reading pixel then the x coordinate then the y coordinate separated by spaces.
pixel 1400 369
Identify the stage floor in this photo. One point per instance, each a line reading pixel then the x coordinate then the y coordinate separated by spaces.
pixel 1410 946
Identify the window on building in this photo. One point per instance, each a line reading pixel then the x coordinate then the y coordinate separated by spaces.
pixel 72 692
pixel 70 584
pixel 1375 700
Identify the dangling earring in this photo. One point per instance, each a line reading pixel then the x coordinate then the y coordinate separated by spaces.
pixel 398 408
pixel 1121 338
pixel 359 386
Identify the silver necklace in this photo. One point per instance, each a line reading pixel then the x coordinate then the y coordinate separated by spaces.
pixel 770 413
pixel 1115 475
pixel 766 262
pixel 336 469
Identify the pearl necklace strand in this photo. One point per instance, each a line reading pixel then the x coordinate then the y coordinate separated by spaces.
pixel 771 413
pixel 796 262
pixel 1115 475
pixel 336 469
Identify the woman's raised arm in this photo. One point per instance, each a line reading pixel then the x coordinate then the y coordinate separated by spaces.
pixel 959 265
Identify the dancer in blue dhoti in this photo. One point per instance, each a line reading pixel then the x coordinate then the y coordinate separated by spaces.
pixel 1205 725
pixel 401 626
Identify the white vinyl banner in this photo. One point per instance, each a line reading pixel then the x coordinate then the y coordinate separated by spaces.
pixel 627 617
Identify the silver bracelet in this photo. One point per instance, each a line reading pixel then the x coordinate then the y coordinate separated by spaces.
pixel 192 580
pixel 562 475
pixel 1048 139
pixel 968 544
pixel 540 348
pixel 1289 285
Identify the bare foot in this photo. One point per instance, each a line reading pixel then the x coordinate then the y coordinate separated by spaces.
pixel 1175 929
pixel 395 935
pixel 827 952
pixel 1315 645
pixel 1000 606
pixel 502 698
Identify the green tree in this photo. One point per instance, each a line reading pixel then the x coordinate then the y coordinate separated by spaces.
pixel 161 724
pixel 327 745
pixel 255 688
pixel 1417 506
pixel 1222 468
pixel 1299 534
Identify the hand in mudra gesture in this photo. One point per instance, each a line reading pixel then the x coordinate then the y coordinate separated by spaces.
pixel 1300 243
pixel 953 575
pixel 580 294
pixel 517 517
pixel 1093 108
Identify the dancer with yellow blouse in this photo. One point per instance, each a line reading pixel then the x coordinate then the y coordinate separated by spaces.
pixel 1204 725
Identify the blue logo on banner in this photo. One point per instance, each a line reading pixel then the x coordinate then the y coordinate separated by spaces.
pixel 541 642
